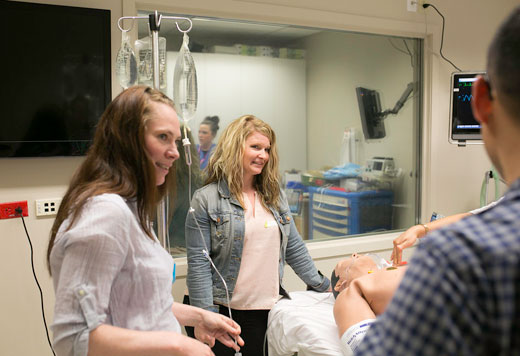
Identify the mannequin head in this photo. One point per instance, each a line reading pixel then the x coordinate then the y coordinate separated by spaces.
pixel 353 267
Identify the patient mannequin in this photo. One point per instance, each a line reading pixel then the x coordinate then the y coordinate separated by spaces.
pixel 364 290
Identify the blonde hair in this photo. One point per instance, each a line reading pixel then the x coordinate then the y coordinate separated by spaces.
pixel 227 161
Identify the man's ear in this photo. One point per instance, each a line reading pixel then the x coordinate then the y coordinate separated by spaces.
pixel 481 104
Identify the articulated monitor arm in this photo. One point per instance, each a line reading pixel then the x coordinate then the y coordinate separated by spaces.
pixel 399 104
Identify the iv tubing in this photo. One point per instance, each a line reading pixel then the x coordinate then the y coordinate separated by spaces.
pixel 187 151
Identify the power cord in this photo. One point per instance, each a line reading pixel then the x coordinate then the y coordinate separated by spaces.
pixel 442 36
pixel 19 212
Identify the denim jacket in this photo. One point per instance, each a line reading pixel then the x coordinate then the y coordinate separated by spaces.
pixel 220 218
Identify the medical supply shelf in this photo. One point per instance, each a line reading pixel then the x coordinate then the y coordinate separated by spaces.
pixel 334 213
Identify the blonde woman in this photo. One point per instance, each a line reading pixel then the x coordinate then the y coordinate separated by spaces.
pixel 241 217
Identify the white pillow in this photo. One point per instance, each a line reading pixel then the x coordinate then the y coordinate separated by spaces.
pixel 303 324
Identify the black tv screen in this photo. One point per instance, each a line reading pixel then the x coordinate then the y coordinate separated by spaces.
pixel 57 78
pixel 464 128
pixel 370 112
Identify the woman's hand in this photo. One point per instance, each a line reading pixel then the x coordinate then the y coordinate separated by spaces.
pixel 191 347
pixel 216 326
pixel 405 240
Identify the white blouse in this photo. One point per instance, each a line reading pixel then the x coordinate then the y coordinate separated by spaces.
pixel 257 285
pixel 106 270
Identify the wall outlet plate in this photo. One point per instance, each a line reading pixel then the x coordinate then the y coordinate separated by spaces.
pixel 47 207
pixel 8 210
pixel 411 5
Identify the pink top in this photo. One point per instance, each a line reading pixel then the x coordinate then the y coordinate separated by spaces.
pixel 257 285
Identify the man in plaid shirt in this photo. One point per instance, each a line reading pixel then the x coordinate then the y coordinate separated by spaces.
pixel 461 293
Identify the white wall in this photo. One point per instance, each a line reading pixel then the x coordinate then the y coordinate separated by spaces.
pixel 452 175
pixel 455 174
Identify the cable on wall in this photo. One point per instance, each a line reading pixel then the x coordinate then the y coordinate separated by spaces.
pixel 20 213
pixel 442 36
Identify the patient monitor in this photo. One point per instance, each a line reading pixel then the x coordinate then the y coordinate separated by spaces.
pixel 464 128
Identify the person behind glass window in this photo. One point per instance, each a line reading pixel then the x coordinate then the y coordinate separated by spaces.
pixel 207 131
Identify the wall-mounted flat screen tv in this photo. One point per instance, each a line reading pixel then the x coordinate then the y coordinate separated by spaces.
pixel 57 78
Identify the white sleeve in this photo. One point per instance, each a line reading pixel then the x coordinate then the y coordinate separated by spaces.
pixel 353 336
pixel 85 260
pixel 486 207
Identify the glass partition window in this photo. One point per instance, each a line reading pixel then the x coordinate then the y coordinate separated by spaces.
pixel 345 107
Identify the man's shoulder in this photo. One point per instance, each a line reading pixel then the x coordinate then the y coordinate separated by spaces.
pixel 477 242
pixel 496 227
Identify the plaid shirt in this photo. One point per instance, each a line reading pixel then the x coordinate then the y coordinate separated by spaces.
pixel 461 293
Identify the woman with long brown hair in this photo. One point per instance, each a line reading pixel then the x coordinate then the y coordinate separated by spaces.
pixel 112 278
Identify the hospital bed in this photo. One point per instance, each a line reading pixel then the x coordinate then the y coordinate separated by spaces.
pixel 304 325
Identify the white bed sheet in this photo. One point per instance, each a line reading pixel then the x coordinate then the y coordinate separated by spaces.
pixel 303 324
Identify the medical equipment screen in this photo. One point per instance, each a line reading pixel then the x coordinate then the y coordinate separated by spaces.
pixel 463 125
pixel 370 111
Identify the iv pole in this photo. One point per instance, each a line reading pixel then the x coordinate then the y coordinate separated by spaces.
pixel 155 24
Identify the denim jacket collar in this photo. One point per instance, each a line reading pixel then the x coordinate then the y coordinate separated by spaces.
pixel 223 190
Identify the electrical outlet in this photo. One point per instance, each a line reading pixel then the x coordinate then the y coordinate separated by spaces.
pixel 47 207
pixel 8 210
pixel 411 5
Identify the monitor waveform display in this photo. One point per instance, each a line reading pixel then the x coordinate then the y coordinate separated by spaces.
pixel 465 97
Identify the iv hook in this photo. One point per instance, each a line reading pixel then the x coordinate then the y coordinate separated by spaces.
pixel 158 19
pixel 127 18
pixel 177 24
pixel 185 31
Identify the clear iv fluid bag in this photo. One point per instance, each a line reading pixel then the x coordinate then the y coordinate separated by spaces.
pixel 143 48
pixel 185 83
pixel 126 64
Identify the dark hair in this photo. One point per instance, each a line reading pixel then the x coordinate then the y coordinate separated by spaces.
pixel 334 278
pixel 212 122
pixel 503 63
pixel 117 161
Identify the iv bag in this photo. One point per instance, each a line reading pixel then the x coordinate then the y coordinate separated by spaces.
pixel 126 64
pixel 185 83
pixel 143 48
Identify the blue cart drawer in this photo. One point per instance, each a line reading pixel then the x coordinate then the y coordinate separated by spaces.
pixel 335 213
